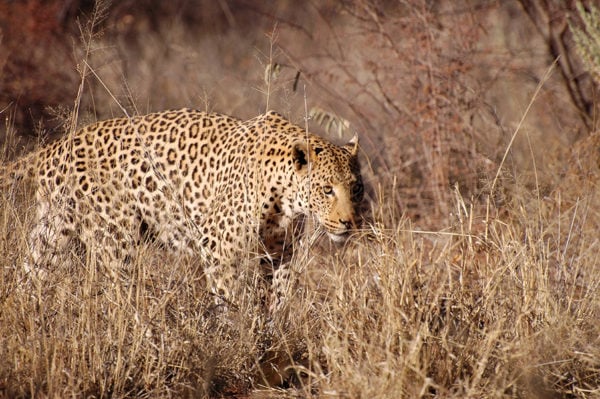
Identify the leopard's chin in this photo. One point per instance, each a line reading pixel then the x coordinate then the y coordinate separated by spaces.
pixel 340 238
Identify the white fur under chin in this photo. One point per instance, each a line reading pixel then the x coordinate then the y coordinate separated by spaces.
pixel 337 237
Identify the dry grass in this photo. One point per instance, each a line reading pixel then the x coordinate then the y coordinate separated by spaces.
pixel 443 293
pixel 505 307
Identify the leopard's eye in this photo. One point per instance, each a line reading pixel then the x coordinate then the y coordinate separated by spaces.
pixel 328 190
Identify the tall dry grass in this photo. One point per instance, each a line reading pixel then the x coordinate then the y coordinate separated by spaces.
pixel 503 306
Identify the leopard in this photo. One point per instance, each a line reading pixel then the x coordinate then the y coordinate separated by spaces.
pixel 199 183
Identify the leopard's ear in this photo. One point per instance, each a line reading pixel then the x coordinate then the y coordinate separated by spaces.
pixel 352 145
pixel 302 154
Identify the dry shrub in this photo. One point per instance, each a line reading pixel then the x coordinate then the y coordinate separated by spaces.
pixel 402 73
pixel 435 91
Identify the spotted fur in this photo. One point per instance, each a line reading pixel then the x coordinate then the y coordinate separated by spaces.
pixel 200 183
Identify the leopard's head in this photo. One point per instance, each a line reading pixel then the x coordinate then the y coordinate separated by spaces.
pixel 331 183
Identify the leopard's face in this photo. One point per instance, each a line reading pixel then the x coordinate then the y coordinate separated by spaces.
pixel 331 186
